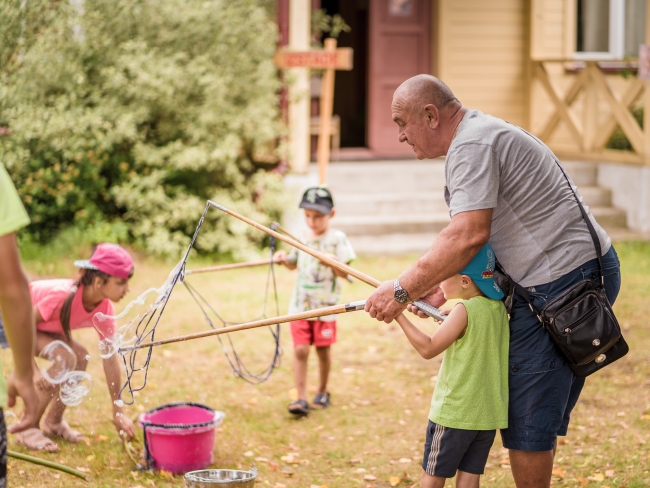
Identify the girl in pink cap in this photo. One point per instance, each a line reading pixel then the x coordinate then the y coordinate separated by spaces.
pixel 62 305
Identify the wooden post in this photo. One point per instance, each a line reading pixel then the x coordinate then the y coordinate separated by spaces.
pixel 326 109
pixel 590 111
pixel 646 94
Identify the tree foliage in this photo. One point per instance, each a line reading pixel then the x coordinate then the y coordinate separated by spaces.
pixel 131 113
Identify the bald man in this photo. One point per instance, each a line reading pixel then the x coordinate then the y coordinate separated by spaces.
pixel 503 186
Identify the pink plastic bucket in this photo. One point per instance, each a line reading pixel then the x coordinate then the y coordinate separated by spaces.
pixel 179 437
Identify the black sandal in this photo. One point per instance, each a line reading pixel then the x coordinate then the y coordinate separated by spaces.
pixel 321 401
pixel 299 407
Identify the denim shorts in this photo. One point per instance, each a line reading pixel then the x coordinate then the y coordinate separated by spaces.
pixel 542 388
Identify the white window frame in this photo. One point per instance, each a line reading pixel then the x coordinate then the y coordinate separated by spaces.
pixel 616 36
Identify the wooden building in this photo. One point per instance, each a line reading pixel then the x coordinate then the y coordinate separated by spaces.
pixel 563 69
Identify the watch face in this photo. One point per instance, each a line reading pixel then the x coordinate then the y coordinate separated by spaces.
pixel 401 296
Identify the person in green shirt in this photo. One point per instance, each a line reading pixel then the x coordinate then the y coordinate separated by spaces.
pixel 470 400
pixel 16 306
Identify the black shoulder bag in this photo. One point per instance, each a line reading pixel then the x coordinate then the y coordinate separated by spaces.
pixel 580 320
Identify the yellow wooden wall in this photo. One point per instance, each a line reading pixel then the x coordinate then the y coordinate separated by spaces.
pixel 483 49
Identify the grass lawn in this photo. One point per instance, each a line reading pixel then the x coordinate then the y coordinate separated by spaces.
pixel 381 389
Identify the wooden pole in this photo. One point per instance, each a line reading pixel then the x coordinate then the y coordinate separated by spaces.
pixel 425 307
pixel 285 231
pixel 646 94
pixel 310 314
pixel 47 464
pixel 299 245
pixel 224 267
pixel 326 109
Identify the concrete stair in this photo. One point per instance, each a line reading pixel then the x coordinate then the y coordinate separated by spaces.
pixel 396 207
pixel 599 199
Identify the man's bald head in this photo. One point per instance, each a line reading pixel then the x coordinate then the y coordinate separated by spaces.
pixel 421 90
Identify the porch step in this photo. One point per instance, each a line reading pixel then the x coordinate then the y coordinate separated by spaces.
pixel 386 177
pixel 583 173
pixel 380 225
pixel 610 217
pixel 396 207
pixel 398 202
pixel 596 196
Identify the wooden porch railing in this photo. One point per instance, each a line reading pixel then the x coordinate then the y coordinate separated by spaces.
pixel 589 128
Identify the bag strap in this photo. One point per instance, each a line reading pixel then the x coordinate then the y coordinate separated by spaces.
pixel 592 232
pixel 590 226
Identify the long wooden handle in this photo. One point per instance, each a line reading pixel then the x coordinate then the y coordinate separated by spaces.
pixel 430 310
pixel 224 267
pixel 284 231
pixel 319 312
pixel 299 245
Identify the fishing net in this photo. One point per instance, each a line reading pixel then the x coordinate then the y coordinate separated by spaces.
pixel 141 317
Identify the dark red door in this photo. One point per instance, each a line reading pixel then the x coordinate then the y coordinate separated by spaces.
pixel 400 47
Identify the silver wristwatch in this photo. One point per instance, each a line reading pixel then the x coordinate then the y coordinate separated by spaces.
pixel 400 293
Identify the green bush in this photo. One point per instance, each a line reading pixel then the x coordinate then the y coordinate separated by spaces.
pixel 619 139
pixel 129 114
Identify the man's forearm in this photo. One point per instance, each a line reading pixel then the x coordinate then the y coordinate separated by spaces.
pixel 455 246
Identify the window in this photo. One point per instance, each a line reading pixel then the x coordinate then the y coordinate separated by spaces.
pixel 609 29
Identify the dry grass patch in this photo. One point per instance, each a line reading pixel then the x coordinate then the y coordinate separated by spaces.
pixel 373 434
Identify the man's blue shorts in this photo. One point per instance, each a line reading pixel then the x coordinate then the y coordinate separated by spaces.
pixel 543 390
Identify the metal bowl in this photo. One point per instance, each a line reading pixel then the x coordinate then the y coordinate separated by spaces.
pixel 217 477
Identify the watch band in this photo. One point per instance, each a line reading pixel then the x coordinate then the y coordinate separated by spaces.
pixel 399 293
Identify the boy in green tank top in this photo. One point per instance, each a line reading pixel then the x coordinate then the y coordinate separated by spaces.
pixel 470 400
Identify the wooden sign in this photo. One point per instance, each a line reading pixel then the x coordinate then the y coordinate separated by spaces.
pixel 341 59
pixel 328 59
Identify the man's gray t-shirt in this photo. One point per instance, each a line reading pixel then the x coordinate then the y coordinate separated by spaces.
pixel 538 233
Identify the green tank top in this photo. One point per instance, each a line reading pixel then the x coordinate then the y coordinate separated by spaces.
pixel 472 388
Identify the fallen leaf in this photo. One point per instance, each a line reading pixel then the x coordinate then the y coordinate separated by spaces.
pixel 273 466
pixel 252 401
pixel 287 472
pixel 83 469
pixel 596 477
pixel 249 454
pixel 401 422
pixel 293 394
pixel 360 470
pixel 563 441
pixel 369 477
pixel 558 472
pixel 90 458
pixel 583 481
pixel 101 437
pixel 621 414
pixel 320 427
pixel 609 473
pixel 645 417
pixel 166 474
pixel 280 485
pixel 261 460
pixel 167 353
pixel 354 461
pixel 348 370
pixel 404 460
pixel 394 480
pixel 56 476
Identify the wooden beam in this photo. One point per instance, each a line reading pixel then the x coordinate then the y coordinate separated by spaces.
pixel 326 109
pixel 620 112
pixel 562 109
pixel 606 130
pixel 570 96
pixel 590 108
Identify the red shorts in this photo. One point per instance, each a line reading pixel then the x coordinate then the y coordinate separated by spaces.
pixel 314 332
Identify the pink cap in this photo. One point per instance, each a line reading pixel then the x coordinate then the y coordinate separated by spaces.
pixel 110 259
